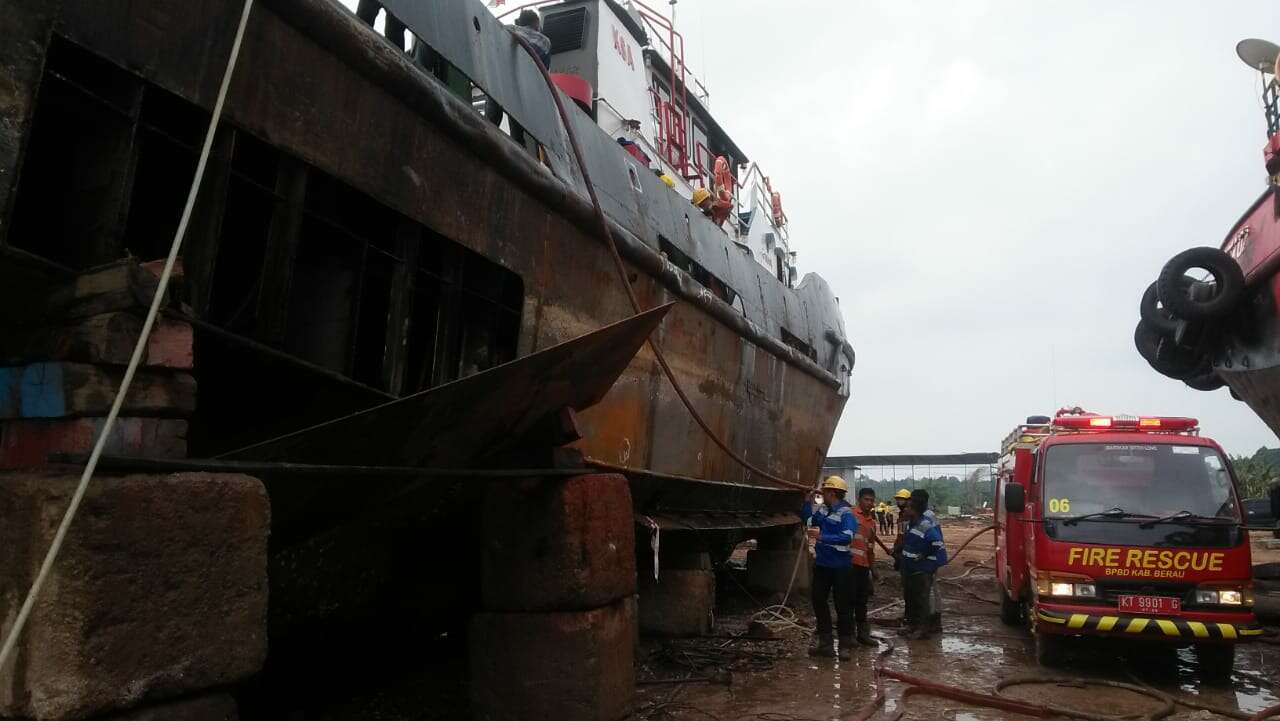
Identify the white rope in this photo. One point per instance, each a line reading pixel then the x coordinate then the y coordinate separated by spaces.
pixel 134 361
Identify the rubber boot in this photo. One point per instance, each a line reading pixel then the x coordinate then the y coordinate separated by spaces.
pixel 845 652
pixel 823 647
pixel 864 634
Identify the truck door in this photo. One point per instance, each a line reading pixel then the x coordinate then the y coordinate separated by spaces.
pixel 1016 530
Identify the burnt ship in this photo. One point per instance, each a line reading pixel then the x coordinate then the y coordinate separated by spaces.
pixel 1210 318
pixel 390 297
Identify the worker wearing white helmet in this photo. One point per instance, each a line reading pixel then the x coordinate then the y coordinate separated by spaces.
pixel 836 526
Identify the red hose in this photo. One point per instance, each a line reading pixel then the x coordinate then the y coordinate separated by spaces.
pixel 965 696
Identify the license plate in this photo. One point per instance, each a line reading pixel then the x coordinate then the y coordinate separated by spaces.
pixel 1151 604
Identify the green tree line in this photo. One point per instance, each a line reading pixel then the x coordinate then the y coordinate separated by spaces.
pixel 1257 473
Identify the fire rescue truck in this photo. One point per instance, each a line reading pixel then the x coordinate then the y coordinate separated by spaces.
pixel 1125 527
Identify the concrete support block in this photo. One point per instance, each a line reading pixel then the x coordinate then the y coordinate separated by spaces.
pixel 213 707
pixel 770 571
pixel 558 544
pixel 160 590
pixel 28 443
pixel 568 666
pixel 679 603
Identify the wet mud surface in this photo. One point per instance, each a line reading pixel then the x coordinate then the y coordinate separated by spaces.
pixel 776 680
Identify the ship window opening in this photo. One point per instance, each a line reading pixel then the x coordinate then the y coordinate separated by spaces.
pixel 794 342
pixel 73 190
pixel 567 30
pixel 237 276
pixel 704 277
pixel 635 178
pixel 465 314
pixel 169 133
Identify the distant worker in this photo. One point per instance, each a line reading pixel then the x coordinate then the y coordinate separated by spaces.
pixel 836 525
pixel 923 553
pixel 529 27
pixel 882 516
pixel 900 500
pixel 863 558
pixel 702 199
pixel 393 30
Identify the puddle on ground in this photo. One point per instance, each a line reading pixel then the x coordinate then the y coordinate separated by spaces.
pixel 968 646
pixel 974 652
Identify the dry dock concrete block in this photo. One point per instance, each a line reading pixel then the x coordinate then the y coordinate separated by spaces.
pixel 213 707
pixel 160 590
pixel 679 603
pixel 771 571
pixel 558 543
pixel 568 666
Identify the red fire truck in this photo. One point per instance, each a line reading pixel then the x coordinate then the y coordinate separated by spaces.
pixel 1122 526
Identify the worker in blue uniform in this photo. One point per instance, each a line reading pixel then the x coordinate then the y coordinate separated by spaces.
pixel 834 525
pixel 923 553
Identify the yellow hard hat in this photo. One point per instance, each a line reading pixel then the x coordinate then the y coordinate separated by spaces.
pixel 700 196
pixel 835 483
pixel 671 183
pixel 902 493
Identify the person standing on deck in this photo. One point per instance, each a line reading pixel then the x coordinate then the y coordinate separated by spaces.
pixel 834 524
pixel 528 26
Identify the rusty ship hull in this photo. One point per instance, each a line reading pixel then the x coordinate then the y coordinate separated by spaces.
pixel 366 245
pixel 322 107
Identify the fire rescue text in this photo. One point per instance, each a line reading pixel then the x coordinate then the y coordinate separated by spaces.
pixel 1144 563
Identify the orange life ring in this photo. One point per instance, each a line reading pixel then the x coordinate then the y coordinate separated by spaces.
pixel 724 180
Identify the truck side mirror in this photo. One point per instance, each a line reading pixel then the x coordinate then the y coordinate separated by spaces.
pixel 1275 501
pixel 1015 498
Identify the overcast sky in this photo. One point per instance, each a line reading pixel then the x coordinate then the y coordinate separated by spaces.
pixel 989 187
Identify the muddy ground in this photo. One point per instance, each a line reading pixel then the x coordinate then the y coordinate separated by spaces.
pixel 777 681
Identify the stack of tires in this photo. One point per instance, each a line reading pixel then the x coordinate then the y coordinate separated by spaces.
pixel 1182 318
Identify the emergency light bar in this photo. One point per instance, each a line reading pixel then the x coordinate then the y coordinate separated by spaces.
pixel 1143 424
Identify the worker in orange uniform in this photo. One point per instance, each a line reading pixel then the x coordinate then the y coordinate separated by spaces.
pixel 863 552
pixel 702 199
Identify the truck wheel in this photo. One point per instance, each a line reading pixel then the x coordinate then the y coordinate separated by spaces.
pixel 1048 650
pixel 1174 294
pixel 1217 660
pixel 1010 610
pixel 1155 315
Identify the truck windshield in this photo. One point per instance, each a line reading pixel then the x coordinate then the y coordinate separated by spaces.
pixel 1167 495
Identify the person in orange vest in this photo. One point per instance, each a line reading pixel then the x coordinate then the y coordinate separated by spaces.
pixel 863 552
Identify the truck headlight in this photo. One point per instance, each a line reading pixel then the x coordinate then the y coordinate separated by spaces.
pixel 1232 596
pixel 1086 590
pixel 1059 589
pixel 1207 597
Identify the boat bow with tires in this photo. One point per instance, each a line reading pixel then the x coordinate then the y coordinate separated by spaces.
pixel 1210 317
